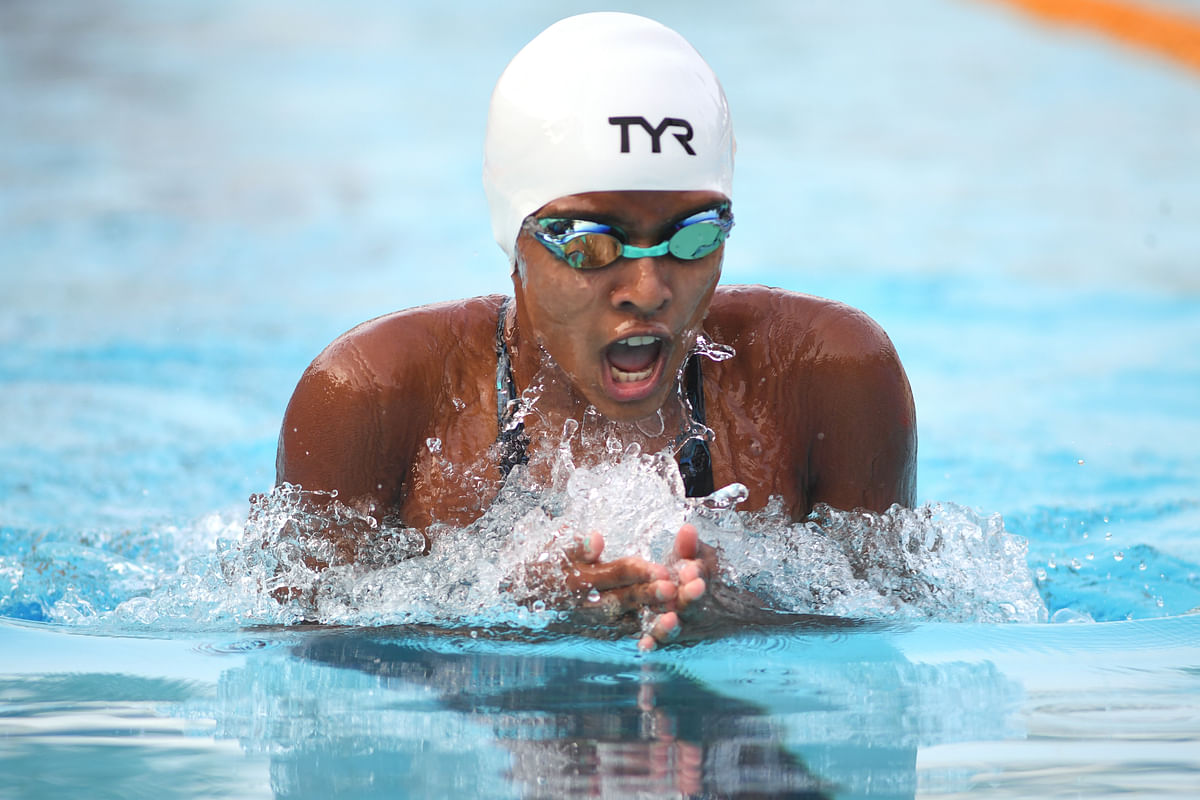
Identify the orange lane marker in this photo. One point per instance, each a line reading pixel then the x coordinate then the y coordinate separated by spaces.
pixel 1168 33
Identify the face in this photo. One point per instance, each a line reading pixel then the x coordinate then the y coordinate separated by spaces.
pixel 621 332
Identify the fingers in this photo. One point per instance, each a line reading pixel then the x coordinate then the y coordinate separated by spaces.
pixel 610 605
pixel 694 564
pixel 665 628
pixel 691 591
pixel 624 572
pixel 605 591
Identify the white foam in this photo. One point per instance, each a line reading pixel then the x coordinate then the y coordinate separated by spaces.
pixel 935 562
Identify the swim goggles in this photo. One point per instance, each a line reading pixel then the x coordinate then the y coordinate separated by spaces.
pixel 584 244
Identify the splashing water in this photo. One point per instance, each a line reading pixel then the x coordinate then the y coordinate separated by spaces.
pixel 713 351
pixel 937 561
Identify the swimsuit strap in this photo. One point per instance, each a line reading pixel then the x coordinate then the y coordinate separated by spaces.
pixel 511 438
pixel 695 458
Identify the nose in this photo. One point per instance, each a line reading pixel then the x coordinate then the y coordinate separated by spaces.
pixel 641 286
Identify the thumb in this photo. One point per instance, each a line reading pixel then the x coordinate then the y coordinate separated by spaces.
pixel 586 548
pixel 687 542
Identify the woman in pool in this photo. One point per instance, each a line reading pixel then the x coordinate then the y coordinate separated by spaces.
pixel 608 169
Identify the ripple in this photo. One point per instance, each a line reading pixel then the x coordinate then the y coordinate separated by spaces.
pixel 235 647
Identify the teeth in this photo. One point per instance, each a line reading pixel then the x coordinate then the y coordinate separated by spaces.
pixel 639 341
pixel 620 376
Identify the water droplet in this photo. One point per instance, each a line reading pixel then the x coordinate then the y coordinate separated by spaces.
pixel 1051 563
pixel 727 496
pixel 1090 556
pixel 1080 462
pixel 594 595
pixel 1142 566
pixel 712 350
pixel 1041 574
pixel 1118 556
pixel 1075 563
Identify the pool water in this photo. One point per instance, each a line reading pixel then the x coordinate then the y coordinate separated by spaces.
pixel 196 198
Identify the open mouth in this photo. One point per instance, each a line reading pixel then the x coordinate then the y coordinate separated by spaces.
pixel 635 366
pixel 634 358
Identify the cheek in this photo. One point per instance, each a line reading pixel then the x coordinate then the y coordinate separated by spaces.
pixel 564 299
pixel 558 295
pixel 701 285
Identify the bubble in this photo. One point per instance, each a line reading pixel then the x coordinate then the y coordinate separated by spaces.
pixel 1118 556
pixel 594 595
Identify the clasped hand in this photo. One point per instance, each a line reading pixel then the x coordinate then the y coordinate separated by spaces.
pixel 608 590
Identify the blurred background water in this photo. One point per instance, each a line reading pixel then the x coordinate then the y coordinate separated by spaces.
pixel 196 197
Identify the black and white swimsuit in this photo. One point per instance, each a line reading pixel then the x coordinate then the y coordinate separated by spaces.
pixel 695 459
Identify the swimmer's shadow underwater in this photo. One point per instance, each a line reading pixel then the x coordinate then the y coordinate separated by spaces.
pixel 570 723
pixel 574 718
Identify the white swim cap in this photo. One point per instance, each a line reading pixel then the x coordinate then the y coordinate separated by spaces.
pixel 602 102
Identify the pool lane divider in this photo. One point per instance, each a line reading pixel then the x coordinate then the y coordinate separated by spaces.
pixel 1165 32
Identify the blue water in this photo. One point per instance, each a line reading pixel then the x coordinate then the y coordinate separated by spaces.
pixel 195 198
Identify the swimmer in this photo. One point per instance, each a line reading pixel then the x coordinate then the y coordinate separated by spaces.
pixel 608 169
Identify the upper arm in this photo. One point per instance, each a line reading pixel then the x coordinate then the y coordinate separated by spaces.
pixel 862 452
pixel 337 433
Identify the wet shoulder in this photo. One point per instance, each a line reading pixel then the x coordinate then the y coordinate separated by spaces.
pixel 781 327
pixel 420 345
